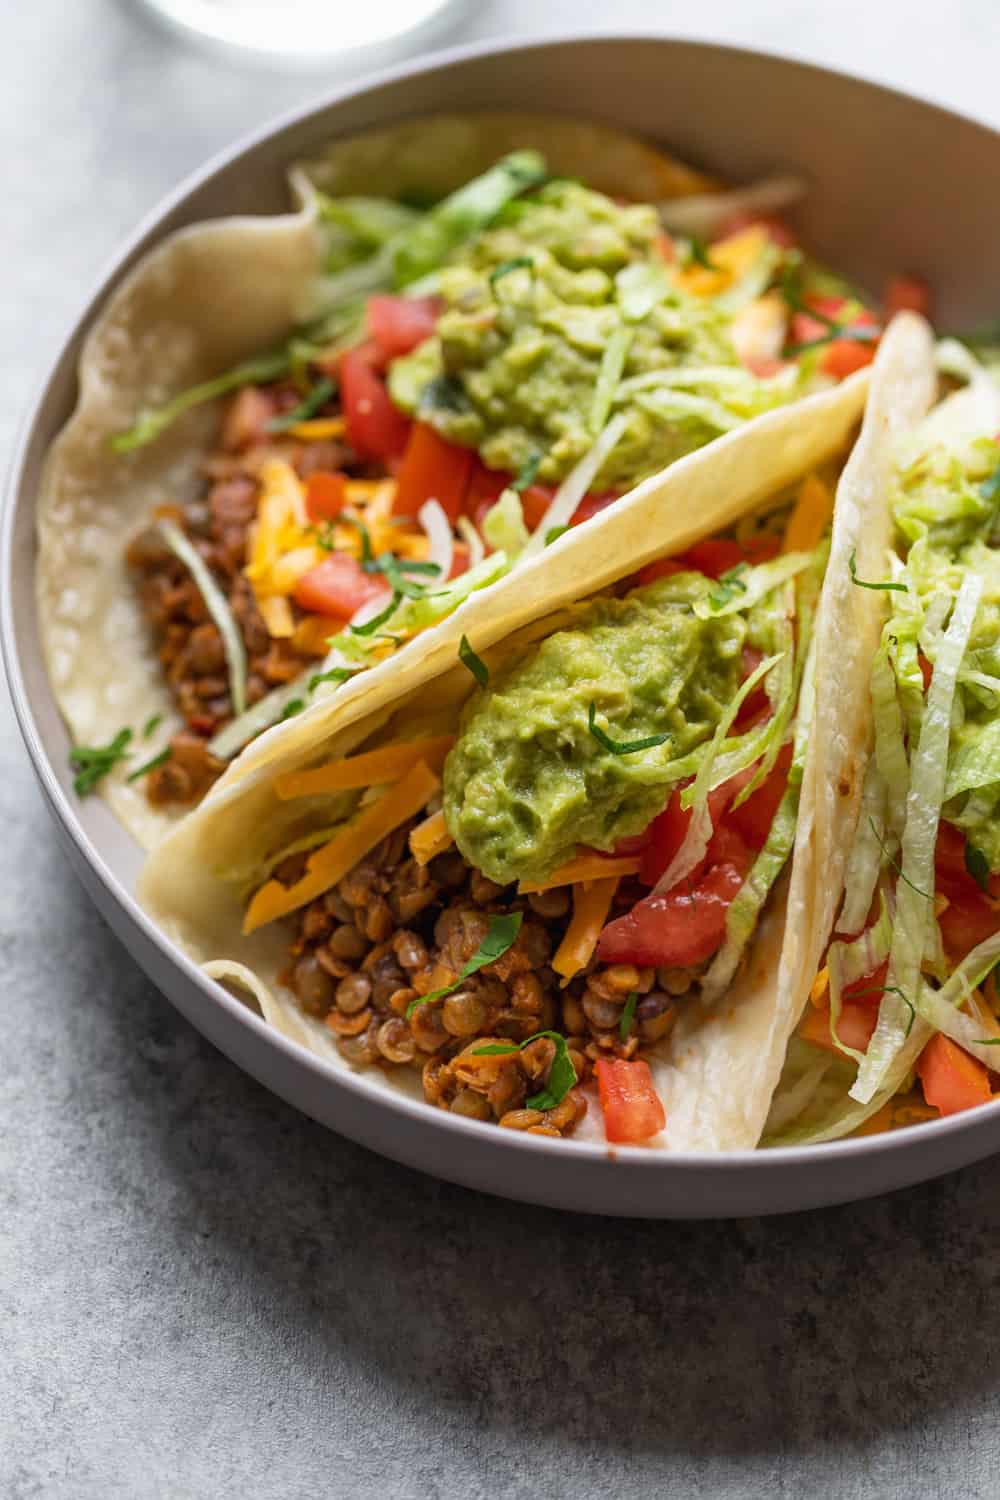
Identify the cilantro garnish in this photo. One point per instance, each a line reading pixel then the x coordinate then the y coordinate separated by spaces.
pixel 554 533
pixel 336 674
pixel 370 626
pixel 562 1074
pixel 516 263
pixel 92 763
pixel 850 333
pixel 628 1015
pixel 501 935
pixel 307 407
pixel 393 568
pixel 978 866
pixel 890 989
pixel 151 724
pixel 730 584
pixel 292 707
pixel 526 473
pixel 894 863
pixel 475 664
pixel 621 747
pixel 366 541
pixel 861 583
pixel 151 765
pixel 698 254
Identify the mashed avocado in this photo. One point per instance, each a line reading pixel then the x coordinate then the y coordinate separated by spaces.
pixel 946 510
pixel 527 781
pixel 530 305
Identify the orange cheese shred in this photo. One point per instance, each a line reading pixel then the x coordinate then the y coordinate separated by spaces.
pixel 585 867
pixel 820 985
pixel 276 613
pixel 332 861
pixel 318 428
pixel 372 768
pixel 591 903
pixel 810 517
pixel 430 838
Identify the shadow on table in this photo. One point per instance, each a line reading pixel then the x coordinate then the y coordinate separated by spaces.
pixel 700 1339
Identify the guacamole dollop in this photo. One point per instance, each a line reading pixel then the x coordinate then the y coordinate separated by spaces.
pixel 530 305
pixel 527 781
pixel 946 513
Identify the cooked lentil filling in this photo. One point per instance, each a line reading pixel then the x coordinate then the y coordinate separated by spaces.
pixel 217 522
pixel 392 930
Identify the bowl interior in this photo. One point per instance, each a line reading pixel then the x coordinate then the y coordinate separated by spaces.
pixel 897 185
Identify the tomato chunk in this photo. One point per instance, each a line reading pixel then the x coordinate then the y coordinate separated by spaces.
pixel 374 426
pixel 841 357
pixel 907 294
pixel 432 469
pixel 951 1079
pixel 855 1026
pixel 714 556
pixel 754 817
pixel 592 505
pixel 679 928
pixel 970 917
pixel 399 324
pixel 326 494
pixel 869 988
pixel 631 1106
pixel 338 586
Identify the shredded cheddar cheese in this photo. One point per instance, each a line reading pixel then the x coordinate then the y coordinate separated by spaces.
pixel 811 516
pixel 591 867
pixel 430 838
pixel 372 768
pixel 731 259
pixel 333 860
pixel 591 903
pixel 318 428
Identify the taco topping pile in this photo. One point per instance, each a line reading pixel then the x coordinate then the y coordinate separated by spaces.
pixel 523 901
pixel 486 373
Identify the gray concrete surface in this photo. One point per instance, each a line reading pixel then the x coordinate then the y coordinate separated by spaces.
pixel 203 1295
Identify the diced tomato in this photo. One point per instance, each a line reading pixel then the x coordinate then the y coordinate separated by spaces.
pixel 432 469
pixel 762 547
pixel 676 929
pixel 754 817
pixel 970 916
pixel 631 1106
pixel 592 505
pixel 778 231
pixel 727 846
pixel 906 294
pixel 867 990
pixel 714 556
pixel 841 357
pixel 485 486
pixel 664 568
pixel 375 427
pixel 399 324
pixel 459 560
pixel 634 843
pixel 968 920
pixel 326 493
pixel 535 501
pixel 855 1026
pixel 926 670
pixel 758 700
pixel 952 1080
pixel 664 836
pixel 338 587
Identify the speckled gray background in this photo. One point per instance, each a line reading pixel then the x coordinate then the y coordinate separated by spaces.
pixel 204 1295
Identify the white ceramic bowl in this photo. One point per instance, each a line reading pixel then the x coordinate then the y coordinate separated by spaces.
pixel 899 185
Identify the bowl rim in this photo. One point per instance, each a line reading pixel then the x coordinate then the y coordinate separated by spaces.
pixel 15 498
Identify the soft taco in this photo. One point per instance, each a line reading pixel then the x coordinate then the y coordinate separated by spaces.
pixel 543 873
pixel 303 441
pixel 893 993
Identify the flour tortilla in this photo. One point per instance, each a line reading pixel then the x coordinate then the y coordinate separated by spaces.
pixel 195 885
pixel 205 299
pixel 725 1067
